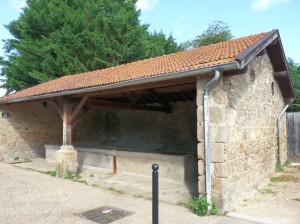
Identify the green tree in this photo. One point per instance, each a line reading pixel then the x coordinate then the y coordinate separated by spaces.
pixel 159 44
pixel 53 38
pixel 216 32
pixel 294 69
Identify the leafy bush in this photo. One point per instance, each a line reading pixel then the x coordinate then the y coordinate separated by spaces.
pixel 200 206
pixel 214 209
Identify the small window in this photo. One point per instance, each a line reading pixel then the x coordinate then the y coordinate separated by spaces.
pixel 273 88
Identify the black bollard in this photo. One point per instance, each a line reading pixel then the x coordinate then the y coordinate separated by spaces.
pixel 155 168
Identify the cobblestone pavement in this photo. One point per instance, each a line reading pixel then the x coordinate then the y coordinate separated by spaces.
pixel 31 197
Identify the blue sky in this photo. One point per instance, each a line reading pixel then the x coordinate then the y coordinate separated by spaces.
pixel 187 19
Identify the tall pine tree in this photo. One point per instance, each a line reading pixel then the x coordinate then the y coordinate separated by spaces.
pixel 53 38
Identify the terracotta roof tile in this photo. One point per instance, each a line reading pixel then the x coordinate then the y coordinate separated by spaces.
pixel 205 56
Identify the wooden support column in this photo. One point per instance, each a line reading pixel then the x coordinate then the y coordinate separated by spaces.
pixel 67 126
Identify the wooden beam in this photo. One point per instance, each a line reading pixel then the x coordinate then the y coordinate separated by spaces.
pixel 125 106
pixel 67 127
pixel 131 96
pixel 149 85
pixel 58 110
pixel 178 88
pixel 263 52
pixel 247 55
pixel 281 74
pixel 161 100
pixel 78 108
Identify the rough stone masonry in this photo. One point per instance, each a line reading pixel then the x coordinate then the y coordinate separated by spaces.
pixel 243 115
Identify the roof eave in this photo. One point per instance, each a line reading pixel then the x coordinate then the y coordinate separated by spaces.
pixel 271 40
pixel 251 52
pixel 165 77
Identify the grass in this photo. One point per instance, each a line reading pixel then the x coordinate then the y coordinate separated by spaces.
pixel 296 199
pixel 109 218
pixel 268 191
pixel 16 158
pixel 74 177
pixel 116 190
pixel 27 159
pixel 284 178
pixel 80 181
pixel 51 173
pixel 200 206
pixel 181 203
pixel 70 175
pixel 138 196
pixel 279 167
pixel 95 185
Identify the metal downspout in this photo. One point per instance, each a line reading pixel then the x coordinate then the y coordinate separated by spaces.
pixel 279 132
pixel 207 87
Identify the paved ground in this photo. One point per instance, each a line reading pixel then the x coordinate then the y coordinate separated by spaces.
pixel 171 192
pixel 31 197
pixel 277 200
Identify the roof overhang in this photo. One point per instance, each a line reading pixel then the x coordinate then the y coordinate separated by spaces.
pixel 271 43
pixel 166 77
pixel 273 46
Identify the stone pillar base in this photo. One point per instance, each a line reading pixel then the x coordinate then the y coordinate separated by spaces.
pixel 66 159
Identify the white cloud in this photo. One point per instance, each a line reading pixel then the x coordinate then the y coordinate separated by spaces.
pixel 146 4
pixel 265 4
pixel 17 4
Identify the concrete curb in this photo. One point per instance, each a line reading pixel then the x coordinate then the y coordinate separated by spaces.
pixel 249 218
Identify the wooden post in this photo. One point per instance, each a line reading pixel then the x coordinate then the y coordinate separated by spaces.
pixel 67 126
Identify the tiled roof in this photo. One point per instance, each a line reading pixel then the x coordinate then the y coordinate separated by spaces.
pixel 205 56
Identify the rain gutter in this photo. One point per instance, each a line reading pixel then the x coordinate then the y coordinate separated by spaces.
pixel 207 88
pixel 279 132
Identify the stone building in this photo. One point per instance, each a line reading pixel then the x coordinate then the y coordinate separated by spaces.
pixel 210 113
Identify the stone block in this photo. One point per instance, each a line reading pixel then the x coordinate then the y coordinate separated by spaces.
pixel 201 185
pixel 199 98
pixel 219 187
pixel 66 159
pixel 216 114
pixel 200 133
pixel 217 152
pixel 200 116
pixel 220 97
pixel 200 151
pixel 201 167
pixel 222 203
pixel 222 133
pixel 200 84
pixel 221 170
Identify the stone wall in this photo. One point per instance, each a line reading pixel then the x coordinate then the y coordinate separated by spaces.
pixel 31 125
pixel 243 113
pixel 142 129
pixel 26 130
